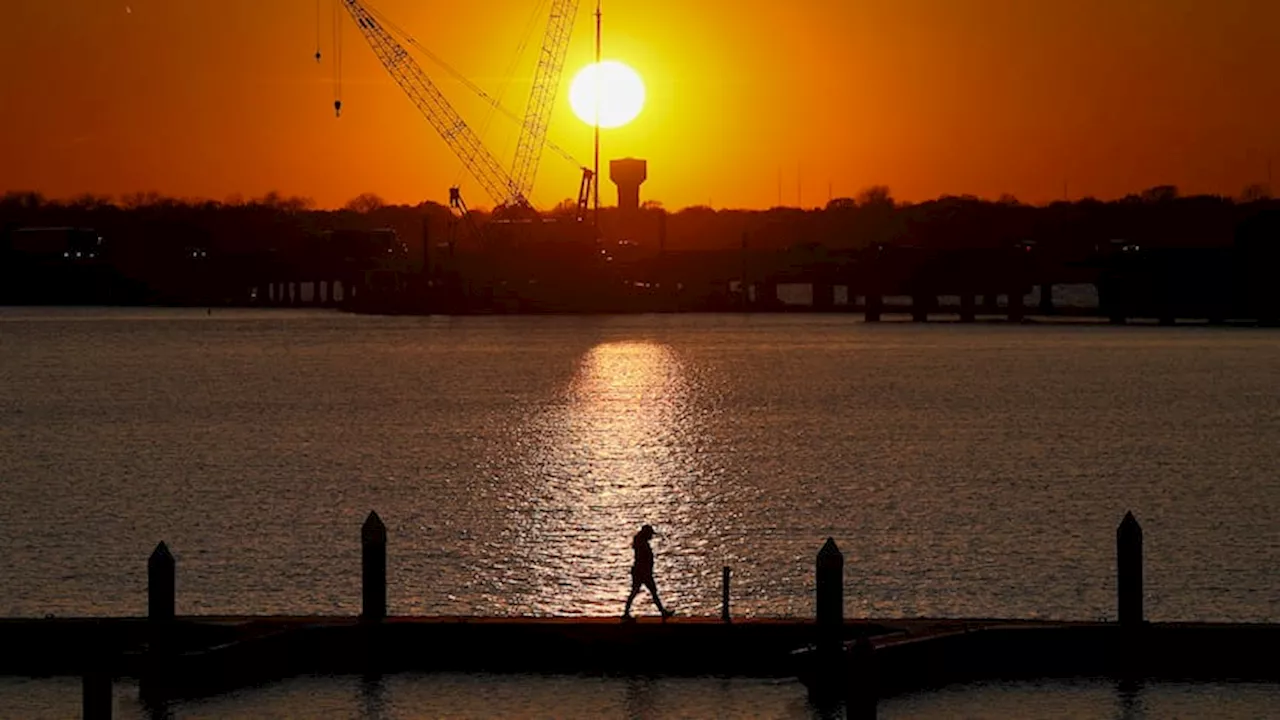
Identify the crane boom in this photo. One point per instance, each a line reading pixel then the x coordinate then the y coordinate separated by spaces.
pixel 462 140
pixel 542 98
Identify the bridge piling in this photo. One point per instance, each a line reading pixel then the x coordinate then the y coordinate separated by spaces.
pixel 97 695
pixel 1017 308
pixel 873 307
pixel 920 306
pixel 1046 299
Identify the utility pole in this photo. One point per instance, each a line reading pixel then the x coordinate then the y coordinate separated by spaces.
pixel 597 148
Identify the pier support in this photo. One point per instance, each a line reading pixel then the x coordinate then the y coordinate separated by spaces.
pixel 920 306
pixel 1129 571
pixel 97 696
pixel 824 296
pixel 1017 308
pixel 829 597
pixel 1046 299
pixel 373 567
pixel 967 311
pixel 873 308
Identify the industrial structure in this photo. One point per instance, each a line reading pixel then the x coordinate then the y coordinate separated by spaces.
pixel 628 174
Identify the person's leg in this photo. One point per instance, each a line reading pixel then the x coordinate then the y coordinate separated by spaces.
pixel 653 590
pixel 635 590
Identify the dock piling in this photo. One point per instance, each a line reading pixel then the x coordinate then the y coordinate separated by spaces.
pixel 829 600
pixel 373 565
pixel 1129 571
pixel 161 584
pixel 724 596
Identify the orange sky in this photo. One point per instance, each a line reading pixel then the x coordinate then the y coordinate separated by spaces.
pixel 209 98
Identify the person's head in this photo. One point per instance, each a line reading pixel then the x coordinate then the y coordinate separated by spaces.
pixel 646 532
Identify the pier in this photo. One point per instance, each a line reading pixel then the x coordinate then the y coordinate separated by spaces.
pixel 852 660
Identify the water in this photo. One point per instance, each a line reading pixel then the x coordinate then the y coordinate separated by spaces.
pixel 964 470
pixel 418 697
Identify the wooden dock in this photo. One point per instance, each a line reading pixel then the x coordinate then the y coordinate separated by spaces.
pixel 857 661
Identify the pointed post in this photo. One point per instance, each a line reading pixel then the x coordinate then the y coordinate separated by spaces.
pixel 1129 571
pixel 829 600
pixel 373 565
pixel 724 600
pixel 161 584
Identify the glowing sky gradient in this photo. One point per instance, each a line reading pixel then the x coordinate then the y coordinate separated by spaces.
pixel 210 98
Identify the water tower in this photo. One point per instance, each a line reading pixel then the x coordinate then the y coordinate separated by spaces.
pixel 628 174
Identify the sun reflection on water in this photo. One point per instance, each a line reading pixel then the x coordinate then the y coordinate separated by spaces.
pixel 621 448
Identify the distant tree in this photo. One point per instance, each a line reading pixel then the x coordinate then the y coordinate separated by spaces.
pixel 565 208
pixel 1254 192
pixel 842 203
pixel 26 199
pixel 364 203
pixel 651 205
pixel 136 200
pixel 875 196
pixel 89 201
pixel 1009 199
pixel 294 204
pixel 1160 194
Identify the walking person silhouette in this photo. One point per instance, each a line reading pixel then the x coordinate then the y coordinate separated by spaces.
pixel 642 573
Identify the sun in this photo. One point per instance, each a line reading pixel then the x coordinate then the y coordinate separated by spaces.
pixel 621 94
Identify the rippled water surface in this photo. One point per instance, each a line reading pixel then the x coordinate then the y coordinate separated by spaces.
pixel 419 697
pixel 964 470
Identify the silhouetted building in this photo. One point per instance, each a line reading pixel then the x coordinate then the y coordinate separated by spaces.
pixel 628 174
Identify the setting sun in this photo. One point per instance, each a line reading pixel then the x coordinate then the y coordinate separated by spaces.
pixel 621 94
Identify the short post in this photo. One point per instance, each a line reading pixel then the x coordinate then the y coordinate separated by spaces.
pixel 967 311
pixel 829 601
pixel 724 594
pixel 1129 571
pixel 161 584
pixel 97 697
pixel 373 565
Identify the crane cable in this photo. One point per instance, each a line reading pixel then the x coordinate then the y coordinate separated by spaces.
pixel 505 82
pixel 337 59
pixel 457 75
pixel 318 30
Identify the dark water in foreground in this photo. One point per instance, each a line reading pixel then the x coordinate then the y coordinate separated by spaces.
pixel 965 470
pixel 415 697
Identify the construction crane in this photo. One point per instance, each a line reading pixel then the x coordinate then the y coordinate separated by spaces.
pixel 510 191
pixel 542 97
pixel 461 139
